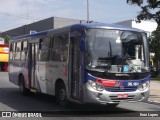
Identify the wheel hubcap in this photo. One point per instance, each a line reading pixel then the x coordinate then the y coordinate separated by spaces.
pixel 21 87
pixel 62 94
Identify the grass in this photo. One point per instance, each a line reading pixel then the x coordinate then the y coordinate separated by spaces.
pixel 156 78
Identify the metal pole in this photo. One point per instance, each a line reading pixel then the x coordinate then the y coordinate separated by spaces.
pixel 27 11
pixel 87 11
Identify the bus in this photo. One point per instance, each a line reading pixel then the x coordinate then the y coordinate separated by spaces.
pixel 4 53
pixel 83 63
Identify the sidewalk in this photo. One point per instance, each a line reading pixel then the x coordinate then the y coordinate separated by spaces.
pixel 154 92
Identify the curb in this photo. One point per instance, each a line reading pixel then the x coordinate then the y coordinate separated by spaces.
pixel 153 102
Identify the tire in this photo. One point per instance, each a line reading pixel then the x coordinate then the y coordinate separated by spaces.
pixel 22 88
pixel 61 95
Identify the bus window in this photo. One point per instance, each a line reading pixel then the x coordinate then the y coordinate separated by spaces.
pixel 44 49
pixel 24 51
pixel 18 49
pixel 60 48
pixel 14 46
pixel 11 50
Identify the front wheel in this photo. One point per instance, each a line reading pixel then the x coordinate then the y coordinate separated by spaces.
pixel 62 95
pixel 22 88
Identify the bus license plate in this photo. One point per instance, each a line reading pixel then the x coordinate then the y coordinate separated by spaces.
pixel 122 95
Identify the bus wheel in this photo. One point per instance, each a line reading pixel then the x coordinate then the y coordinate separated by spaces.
pixel 22 88
pixel 62 95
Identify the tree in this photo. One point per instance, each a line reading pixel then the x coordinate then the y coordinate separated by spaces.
pixel 154 45
pixel 150 10
pixel 7 39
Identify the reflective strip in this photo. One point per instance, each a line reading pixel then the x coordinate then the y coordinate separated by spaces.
pixel 108 83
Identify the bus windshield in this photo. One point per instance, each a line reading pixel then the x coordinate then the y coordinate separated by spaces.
pixel 117 51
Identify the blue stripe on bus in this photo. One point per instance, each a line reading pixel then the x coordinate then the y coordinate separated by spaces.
pixel 125 82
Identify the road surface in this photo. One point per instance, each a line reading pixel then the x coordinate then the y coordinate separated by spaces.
pixel 11 100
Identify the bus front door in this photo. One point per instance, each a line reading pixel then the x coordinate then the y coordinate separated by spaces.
pixel 75 68
pixel 32 62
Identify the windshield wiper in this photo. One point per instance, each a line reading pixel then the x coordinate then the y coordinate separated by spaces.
pixel 124 59
pixel 110 47
pixel 132 66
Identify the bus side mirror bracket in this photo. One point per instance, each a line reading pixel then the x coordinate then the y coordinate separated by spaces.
pixel 83 44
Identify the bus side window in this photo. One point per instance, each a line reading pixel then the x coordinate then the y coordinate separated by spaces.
pixel 44 49
pixel 55 49
pixel 60 48
pixel 11 51
pixel 51 48
pixel 64 49
pixel 25 45
pixel 24 50
pixel 14 46
pixel 18 47
pixel 18 51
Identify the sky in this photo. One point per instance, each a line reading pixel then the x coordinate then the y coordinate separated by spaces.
pixel 16 13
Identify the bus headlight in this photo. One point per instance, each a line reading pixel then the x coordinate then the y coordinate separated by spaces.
pixel 143 86
pixel 95 85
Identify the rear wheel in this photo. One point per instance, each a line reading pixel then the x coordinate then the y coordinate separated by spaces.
pixel 62 95
pixel 22 88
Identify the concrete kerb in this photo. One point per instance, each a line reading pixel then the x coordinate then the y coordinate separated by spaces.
pixel 154 97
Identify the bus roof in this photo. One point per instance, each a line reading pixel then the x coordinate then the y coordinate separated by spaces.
pixel 104 25
pixel 79 27
pixel 30 35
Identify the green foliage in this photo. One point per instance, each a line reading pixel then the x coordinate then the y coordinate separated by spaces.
pixel 150 3
pixel 155 43
pixel 149 10
pixel 138 2
pixel 156 78
pixel 154 47
pixel 7 38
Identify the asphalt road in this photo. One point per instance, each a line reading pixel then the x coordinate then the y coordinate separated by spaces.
pixel 11 100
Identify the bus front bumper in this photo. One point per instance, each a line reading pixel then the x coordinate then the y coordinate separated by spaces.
pixel 105 97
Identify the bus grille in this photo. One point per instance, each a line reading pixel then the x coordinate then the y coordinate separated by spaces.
pixel 116 99
pixel 120 89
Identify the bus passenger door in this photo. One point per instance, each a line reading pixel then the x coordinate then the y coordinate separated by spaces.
pixel 32 61
pixel 75 67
